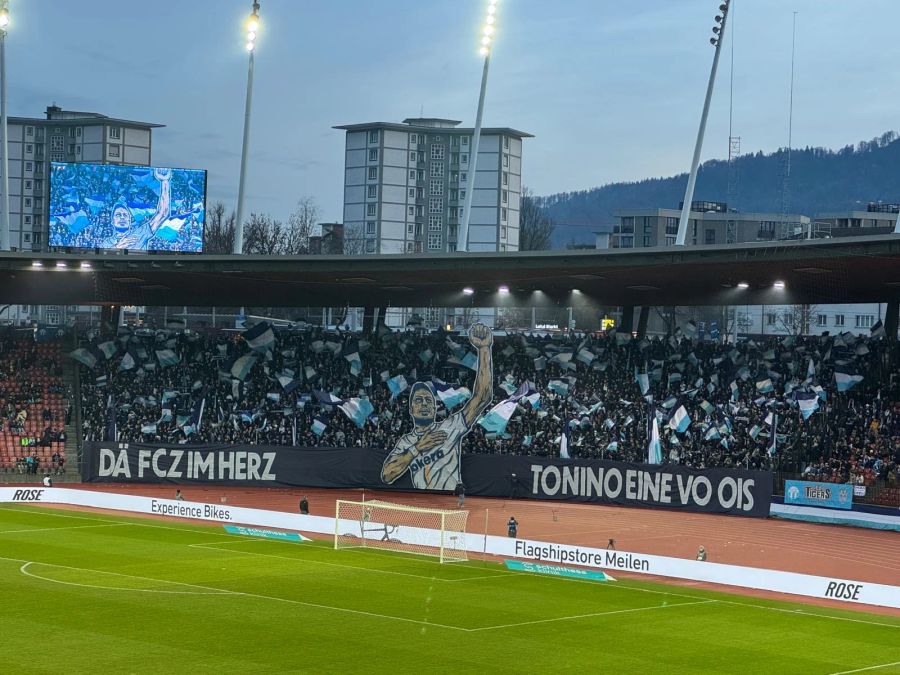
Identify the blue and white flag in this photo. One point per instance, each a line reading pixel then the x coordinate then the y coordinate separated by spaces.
pixel 846 378
pixel 128 361
pixel 260 337
pixel 148 428
pixel 820 392
pixel 327 398
pixel 765 386
pixel 318 426
pixel 397 385
pixel 654 449
pixel 167 357
pixel 558 387
pixel 810 370
pixel 643 382
pixel 242 365
pixel 85 357
pixel 773 433
pixel 534 400
pixel 877 330
pixel 586 357
pixel 287 381
pixel 754 431
pixel 808 403
pixel 565 438
pixel 734 391
pixel 470 360
pixel 451 396
pixel 707 407
pixel 357 410
pixel 108 349
pixel 498 417
pixel 680 421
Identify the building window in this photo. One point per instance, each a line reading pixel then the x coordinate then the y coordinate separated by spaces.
pixel 454 195
pixel 670 240
pixel 38 203
pixel 27 220
pixel 29 148
pixel 413 139
pixel 412 174
pixel 77 149
pixel 410 210
pixel 770 318
pixel 454 176
pixel 420 210
pixel 418 229
pixel 420 193
pixel 626 242
pixel 506 142
pixel 435 206
pixel 504 214
pixel 420 174
pixel 78 132
pixel 821 320
pixel 505 160
pixel 464 158
pixel 506 178
pixel 503 233
pixel 114 151
pixel 454 158
pixel 646 241
pixel 410 229
pixel 412 155
pixel 409 247
pixel 26 237
pixel 370 246
pixel 370 227
pixel 710 236
pixel 28 166
pixel 27 184
pixel 864 320
pixel 504 196
pixel 462 194
pixel 115 132
pixel 437 169
pixel 373 136
pixel 373 155
pixel 463 176
pixel 435 224
pixel 838 319
pixel 766 230
pixel 373 173
pixel 71 148
pixel 627 225
pixel 437 188
pixel 27 202
pixel 411 193
pixel 437 152
pixel 372 191
pixel 434 242
pixel 370 209
pixel 671 225
pixel 29 131
pixel 465 140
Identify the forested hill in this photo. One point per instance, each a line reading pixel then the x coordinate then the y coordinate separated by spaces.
pixel 821 180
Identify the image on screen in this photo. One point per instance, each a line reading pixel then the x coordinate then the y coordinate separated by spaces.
pixel 127 207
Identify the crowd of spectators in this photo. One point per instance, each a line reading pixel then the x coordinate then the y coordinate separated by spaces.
pixel 591 384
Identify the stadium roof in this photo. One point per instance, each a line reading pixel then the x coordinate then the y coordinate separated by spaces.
pixel 858 269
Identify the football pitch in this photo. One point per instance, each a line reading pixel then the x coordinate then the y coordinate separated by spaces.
pixel 83 592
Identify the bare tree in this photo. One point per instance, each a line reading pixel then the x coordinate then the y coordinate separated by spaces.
pixel 300 225
pixel 535 224
pixel 354 239
pixel 218 233
pixel 265 235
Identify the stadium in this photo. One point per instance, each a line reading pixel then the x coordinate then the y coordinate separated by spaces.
pixel 466 459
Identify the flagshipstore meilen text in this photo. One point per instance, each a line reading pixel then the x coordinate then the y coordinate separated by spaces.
pixel 657 486
pixel 577 556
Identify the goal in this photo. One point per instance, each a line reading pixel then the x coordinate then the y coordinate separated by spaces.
pixel 408 529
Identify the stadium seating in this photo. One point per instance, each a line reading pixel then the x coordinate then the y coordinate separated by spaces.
pixel 33 405
pixel 594 388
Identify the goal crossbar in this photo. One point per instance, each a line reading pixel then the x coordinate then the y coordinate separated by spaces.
pixel 407 529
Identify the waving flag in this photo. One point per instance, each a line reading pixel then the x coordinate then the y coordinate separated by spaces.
pixel 765 386
pixel 558 387
pixel 734 391
pixel 498 417
pixel 808 403
pixel 877 330
pixel 167 357
pixel 680 420
pixel 846 378
pixel 773 433
pixel 565 438
pixel 108 349
pixel 318 426
pixel 327 398
pixel 449 395
pixel 260 337
pixel 654 449
pixel 643 382
pixel 357 410
pixel 242 365
pixel 85 357
pixel 707 407
pixel 287 381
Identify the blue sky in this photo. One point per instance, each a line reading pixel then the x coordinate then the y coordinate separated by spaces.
pixel 612 90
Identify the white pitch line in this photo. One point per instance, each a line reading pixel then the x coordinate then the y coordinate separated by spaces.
pixel 862 670
pixel 216 546
pixel 225 591
pixel 53 529
pixel 594 614
pixel 24 570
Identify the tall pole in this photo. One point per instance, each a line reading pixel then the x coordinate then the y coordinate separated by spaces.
pixel 252 27
pixel 4 133
pixel 487 39
pixel 716 40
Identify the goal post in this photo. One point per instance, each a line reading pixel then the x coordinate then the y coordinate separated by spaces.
pixel 396 527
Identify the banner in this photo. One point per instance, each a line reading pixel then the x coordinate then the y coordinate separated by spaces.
pixel 831 495
pixel 736 492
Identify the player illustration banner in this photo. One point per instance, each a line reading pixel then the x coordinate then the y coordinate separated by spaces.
pixel 746 493
pixel 127 207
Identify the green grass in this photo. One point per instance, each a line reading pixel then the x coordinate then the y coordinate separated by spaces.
pixel 81 592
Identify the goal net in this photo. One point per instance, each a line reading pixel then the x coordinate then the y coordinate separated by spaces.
pixel 408 529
